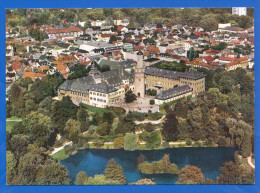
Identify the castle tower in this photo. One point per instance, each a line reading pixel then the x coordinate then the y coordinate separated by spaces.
pixel 139 85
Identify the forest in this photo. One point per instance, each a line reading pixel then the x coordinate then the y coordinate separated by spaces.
pixel 207 18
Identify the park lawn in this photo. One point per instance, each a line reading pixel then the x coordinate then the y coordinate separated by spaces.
pixel 12 121
pixel 10 125
pixel 142 147
pixel 14 118
pixel 108 146
pixel 60 155
pixel 95 109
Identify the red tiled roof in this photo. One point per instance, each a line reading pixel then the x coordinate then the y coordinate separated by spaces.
pixel 63 30
pixel 209 59
pixel 235 41
pixel 212 51
pixel 153 49
pixel 119 28
pixel 138 48
pixel 33 75
pixel 107 35
pixel 227 58
pixel 16 66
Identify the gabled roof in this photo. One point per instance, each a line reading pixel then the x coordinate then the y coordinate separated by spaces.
pixel 173 92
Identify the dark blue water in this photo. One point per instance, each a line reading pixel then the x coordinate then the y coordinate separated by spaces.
pixel 94 161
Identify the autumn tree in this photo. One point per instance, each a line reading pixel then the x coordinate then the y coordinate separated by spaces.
pixel 232 173
pixel 119 143
pixel 190 175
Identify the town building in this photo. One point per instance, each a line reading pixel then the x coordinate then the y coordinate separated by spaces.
pixel 72 31
pixel 239 11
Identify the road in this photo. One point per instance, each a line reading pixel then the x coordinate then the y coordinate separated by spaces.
pixel 60 148
pixel 150 121
pixel 249 161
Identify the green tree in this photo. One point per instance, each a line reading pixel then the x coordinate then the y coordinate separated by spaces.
pixel 28 166
pixel 38 127
pixel 19 144
pixel 112 39
pixel 82 114
pixel 170 129
pixel 81 178
pixel 71 130
pixel 154 140
pixel 130 142
pixel 108 117
pixel 115 172
pixel 52 174
pixel 125 126
pixel 191 54
pixel 246 146
pixel 209 22
pixel 62 111
pixel 104 129
pixel 97 117
pixel 130 96
pixel 10 166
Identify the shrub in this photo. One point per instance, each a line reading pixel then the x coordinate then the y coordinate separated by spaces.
pixel 91 131
pixel 98 143
pixel 221 141
pixel 188 142
pixel 165 144
pixel 197 144
pixel 144 136
pixel 152 102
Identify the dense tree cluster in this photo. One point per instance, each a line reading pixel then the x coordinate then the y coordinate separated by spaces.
pixel 33 167
pixel 233 173
pixel 30 140
pixel 224 114
pixel 208 18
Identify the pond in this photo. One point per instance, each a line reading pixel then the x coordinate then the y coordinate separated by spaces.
pixel 94 161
